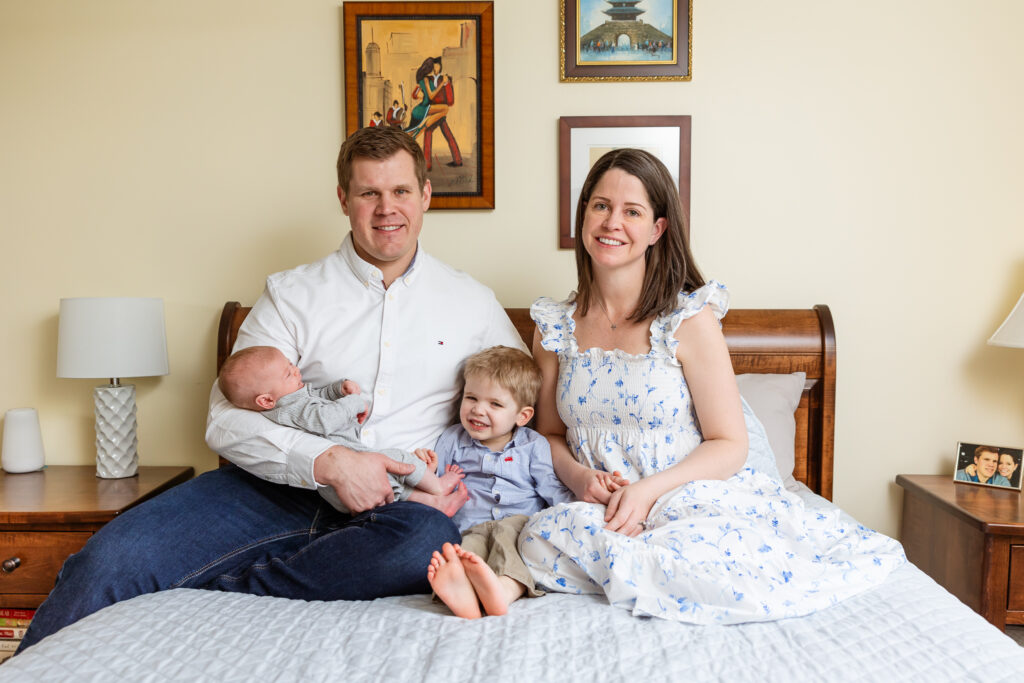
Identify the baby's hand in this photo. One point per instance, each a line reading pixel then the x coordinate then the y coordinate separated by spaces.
pixel 971 470
pixel 428 456
pixel 361 417
pixel 350 387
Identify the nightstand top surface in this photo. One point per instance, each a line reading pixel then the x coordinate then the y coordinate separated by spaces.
pixel 993 509
pixel 74 494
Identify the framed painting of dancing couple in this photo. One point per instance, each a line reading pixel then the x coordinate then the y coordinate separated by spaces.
pixel 988 465
pixel 626 40
pixel 582 140
pixel 428 68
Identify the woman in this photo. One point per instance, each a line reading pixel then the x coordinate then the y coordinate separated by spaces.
pixel 432 111
pixel 1007 467
pixel 683 515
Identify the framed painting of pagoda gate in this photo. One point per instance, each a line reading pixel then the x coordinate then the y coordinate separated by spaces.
pixel 626 40
pixel 427 68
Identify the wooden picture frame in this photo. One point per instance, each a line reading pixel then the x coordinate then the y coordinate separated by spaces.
pixel 390 48
pixel 583 139
pixel 985 465
pixel 627 46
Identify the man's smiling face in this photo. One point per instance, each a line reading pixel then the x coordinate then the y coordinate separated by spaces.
pixel 385 206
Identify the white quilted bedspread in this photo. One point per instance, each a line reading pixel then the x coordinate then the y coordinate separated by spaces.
pixel 907 629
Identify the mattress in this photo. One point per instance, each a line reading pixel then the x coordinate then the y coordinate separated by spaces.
pixel 907 629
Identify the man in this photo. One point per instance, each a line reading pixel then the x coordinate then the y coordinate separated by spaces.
pixel 395 116
pixel 379 311
pixel 986 460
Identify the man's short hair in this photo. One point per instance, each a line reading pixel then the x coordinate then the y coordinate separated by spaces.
pixel 511 369
pixel 379 143
pixel 985 449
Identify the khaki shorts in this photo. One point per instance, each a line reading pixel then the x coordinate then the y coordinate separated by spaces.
pixel 497 544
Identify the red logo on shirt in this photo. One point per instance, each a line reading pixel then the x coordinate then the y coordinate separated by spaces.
pixel 440 343
pixel 508 459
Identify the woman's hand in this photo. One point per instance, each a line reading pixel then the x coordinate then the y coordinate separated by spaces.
pixel 629 506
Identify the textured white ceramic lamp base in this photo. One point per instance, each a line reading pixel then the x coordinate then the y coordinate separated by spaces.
pixel 116 441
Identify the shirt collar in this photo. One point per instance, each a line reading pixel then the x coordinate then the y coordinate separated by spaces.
pixel 370 274
pixel 466 440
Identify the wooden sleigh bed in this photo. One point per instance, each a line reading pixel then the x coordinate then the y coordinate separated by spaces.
pixel 906 629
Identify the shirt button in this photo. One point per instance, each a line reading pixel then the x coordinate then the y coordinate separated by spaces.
pixel 387 344
pixel 381 392
pixel 497 497
pixel 495 512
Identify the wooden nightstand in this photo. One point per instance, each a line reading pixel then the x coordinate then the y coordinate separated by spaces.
pixel 968 538
pixel 46 516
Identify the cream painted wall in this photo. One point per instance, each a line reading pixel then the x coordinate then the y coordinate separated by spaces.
pixel 865 155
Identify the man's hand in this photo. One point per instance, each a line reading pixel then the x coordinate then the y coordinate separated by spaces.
pixel 428 456
pixel 359 479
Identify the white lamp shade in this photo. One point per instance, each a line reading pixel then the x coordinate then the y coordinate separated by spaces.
pixel 111 337
pixel 1011 332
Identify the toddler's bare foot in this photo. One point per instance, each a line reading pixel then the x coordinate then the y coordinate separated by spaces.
pixel 450 479
pixel 449 581
pixel 449 503
pixel 485 582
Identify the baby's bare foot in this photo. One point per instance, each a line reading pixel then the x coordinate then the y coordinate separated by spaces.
pixel 450 479
pixel 454 501
pixel 485 582
pixel 449 503
pixel 449 581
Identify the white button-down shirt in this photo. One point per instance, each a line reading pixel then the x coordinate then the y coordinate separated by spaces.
pixel 403 345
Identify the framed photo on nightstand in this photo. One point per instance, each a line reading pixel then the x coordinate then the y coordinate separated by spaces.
pixel 997 466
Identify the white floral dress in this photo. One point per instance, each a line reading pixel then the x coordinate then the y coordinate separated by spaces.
pixel 739 550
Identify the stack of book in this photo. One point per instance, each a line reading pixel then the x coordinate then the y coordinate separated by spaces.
pixel 13 623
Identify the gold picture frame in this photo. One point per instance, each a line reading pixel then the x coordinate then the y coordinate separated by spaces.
pixel 627 46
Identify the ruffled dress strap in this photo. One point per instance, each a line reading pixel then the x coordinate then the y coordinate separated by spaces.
pixel 554 320
pixel 688 304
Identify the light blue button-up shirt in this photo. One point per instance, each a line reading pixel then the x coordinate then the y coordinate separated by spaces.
pixel 518 480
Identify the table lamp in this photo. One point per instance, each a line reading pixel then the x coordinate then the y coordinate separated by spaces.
pixel 1011 332
pixel 113 337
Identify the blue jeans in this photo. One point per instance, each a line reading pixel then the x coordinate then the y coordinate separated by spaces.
pixel 228 530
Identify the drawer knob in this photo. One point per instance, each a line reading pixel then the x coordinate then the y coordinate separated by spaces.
pixel 11 564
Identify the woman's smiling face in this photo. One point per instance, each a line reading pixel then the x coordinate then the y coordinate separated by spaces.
pixel 1007 465
pixel 619 223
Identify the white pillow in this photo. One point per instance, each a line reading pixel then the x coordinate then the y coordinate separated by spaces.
pixel 774 399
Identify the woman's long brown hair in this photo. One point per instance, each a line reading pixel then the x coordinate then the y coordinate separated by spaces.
pixel 670 265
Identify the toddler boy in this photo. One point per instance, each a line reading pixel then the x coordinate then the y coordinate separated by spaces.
pixel 261 378
pixel 509 476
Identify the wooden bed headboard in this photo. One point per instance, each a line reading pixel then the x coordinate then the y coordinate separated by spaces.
pixel 760 341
